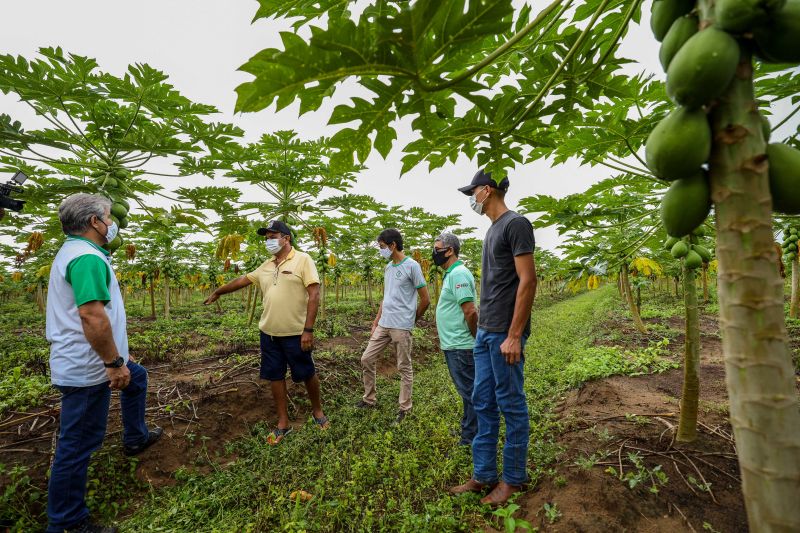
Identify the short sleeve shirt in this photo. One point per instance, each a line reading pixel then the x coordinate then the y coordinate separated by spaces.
pixel 89 277
pixel 400 284
pixel 458 287
pixel 285 297
pixel 509 236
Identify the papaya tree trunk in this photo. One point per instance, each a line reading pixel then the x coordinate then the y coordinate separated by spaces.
pixel 687 425
pixel 795 293
pixel 152 300
pixel 705 283
pixel 759 374
pixel 166 296
pixel 253 309
pixel 369 290
pixel 626 286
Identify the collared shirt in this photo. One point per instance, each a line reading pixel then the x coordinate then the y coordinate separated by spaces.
pixel 81 273
pixel 401 281
pixel 458 287
pixel 285 296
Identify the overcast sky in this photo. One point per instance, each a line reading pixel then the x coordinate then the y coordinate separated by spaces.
pixel 201 43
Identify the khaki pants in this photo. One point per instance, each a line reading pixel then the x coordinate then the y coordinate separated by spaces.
pixel 401 342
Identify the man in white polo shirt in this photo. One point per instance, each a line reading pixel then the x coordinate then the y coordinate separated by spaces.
pixel 86 328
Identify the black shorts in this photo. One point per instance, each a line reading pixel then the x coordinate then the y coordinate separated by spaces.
pixel 278 353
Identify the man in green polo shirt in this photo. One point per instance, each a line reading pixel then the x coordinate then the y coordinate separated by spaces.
pixel 457 323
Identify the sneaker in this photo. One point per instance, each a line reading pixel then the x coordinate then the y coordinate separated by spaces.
pixel 152 437
pixel 401 415
pixel 364 405
pixel 88 527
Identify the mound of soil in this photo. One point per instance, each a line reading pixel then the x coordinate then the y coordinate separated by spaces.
pixel 608 420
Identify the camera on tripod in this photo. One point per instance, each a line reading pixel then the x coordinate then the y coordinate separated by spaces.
pixel 8 189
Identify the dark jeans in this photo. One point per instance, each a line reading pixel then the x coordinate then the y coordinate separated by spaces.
pixel 499 389
pixel 84 413
pixel 461 365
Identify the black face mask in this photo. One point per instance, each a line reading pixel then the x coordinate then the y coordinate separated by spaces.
pixel 438 257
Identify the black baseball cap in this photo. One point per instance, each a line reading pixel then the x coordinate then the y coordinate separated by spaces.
pixel 484 178
pixel 276 225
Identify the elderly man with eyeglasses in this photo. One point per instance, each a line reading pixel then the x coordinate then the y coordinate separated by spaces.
pixel 289 283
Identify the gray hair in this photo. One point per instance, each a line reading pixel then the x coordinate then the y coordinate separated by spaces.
pixel 76 211
pixel 450 240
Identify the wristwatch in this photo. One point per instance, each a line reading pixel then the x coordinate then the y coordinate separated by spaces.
pixel 308 330
pixel 116 363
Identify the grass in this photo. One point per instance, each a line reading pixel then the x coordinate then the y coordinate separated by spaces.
pixel 364 473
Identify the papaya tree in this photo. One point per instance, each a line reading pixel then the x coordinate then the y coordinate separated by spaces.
pixel 99 133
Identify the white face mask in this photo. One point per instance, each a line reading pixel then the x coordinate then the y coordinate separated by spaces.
pixel 386 253
pixel 111 234
pixel 475 204
pixel 273 246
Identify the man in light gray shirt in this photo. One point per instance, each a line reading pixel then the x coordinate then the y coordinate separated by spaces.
pixel 399 311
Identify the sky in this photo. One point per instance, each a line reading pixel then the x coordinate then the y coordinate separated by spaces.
pixel 201 43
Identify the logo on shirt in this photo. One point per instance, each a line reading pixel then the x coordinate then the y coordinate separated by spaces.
pixel 398 274
pixel 461 285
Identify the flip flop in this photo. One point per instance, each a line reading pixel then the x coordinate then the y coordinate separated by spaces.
pixel 276 435
pixel 322 422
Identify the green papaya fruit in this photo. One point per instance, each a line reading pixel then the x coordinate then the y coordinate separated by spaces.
pixel 703 68
pixel 784 178
pixel 114 244
pixel 665 12
pixel 680 32
pixel 670 243
pixel 679 145
pixel 115 220
pixel 703 252
pixel 109 183
pixel 120 174
pixel 693 260
pixel 778 41
pixel 98 173
pixel 791 255
pixel 792 231
pixel 739 16
pixel 686 205
pixel 699 231
pixel 793 238
pixel 123 223
pixel 766 128
pixel 124 202
pixel 679 249
pixel 118 210
pixel 792 247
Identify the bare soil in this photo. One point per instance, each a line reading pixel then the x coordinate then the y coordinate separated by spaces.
pixel 606 420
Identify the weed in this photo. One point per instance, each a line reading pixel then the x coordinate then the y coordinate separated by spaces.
pixel 511 524
pixel 551 512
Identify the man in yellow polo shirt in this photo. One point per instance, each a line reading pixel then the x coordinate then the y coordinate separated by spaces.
pixel 290 285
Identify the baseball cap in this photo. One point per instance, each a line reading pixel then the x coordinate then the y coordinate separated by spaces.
pixel 484 178
pixel 276 225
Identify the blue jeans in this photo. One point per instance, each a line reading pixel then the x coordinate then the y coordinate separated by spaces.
pixel 461 365
pixel 84 414
pixel 499 389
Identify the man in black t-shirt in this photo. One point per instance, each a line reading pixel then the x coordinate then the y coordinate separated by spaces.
pixel 508 285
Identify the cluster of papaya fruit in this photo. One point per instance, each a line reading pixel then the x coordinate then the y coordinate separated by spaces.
pixel 689 249
pixel 110 182
pixel 791 234
pixel 700 60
